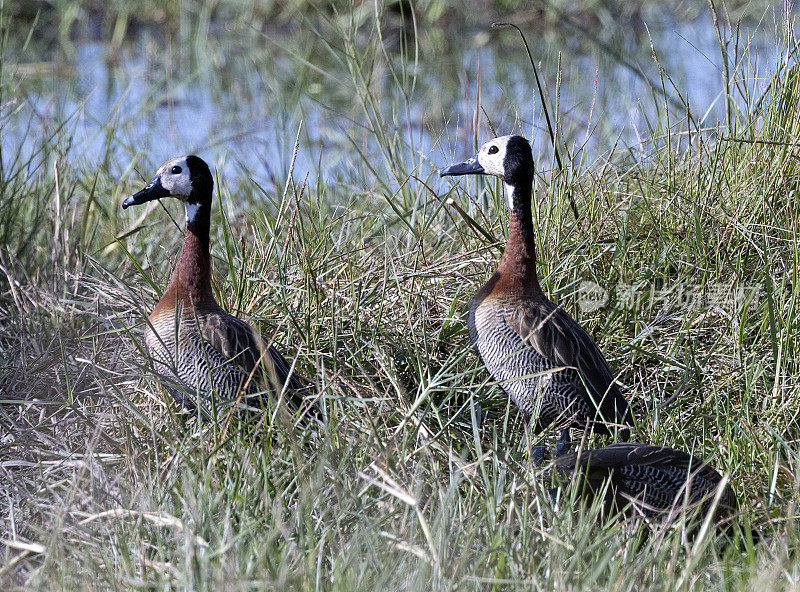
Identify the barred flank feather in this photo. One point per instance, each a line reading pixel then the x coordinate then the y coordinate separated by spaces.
pixel 654 480
pixel 210 351
pixel 544 359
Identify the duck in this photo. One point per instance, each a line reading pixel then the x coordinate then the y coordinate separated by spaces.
pixel 199 350
pixel 542 358
pixel 653 481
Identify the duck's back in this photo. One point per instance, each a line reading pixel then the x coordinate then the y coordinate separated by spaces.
pixel 654 478
pixel 545 361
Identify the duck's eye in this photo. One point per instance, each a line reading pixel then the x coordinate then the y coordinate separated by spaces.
pixel 176 170
pixel 493 150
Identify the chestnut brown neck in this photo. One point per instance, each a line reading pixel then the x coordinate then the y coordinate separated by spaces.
pixel 191 281
pixel 517 267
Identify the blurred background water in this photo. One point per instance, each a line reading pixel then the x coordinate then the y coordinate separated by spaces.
pixel 232 81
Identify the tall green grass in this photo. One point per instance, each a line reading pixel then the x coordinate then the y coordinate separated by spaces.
pixel 420 479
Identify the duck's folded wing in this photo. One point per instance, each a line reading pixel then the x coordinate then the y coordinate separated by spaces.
pixel 628 454
pixel 555 335
pixel 703 477
pixel 242 345
pixel 654 476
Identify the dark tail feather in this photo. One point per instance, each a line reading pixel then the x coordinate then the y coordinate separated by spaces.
pixel 298 392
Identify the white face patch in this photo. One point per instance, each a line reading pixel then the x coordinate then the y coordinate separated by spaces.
pixel 492 154
pixel 175 177
pixel 191 211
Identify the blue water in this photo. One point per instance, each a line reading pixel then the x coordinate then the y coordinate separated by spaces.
pixel 239 122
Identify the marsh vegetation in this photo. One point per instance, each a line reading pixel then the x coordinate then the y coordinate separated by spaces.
pixel 333 233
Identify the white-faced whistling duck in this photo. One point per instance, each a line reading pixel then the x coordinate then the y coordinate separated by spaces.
pixel 541 357
pixel 189 336
pixel 653 481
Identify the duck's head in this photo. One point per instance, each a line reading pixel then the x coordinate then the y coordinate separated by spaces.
pixel 507 157
pixel 187 178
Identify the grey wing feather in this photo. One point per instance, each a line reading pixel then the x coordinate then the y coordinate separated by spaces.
pixel 241 344
pixel 556 336
pixel 655 475
pixel 232 338
pixel 634 453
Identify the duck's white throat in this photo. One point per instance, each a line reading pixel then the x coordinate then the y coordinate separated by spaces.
pixel 191 211
pixel 509 196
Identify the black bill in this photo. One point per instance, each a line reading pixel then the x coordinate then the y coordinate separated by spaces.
pixel 468 167
pixel 153 190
